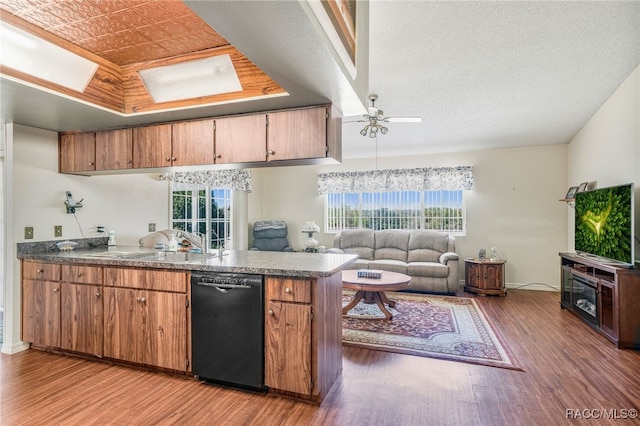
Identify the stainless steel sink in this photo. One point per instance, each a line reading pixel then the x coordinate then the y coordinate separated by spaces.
pixel 110 254
pixel 174 257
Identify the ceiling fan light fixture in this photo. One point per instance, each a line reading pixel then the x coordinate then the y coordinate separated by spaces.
pixel 363 132
pixel 383 129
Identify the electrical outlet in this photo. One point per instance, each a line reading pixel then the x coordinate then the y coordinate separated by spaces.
pixel 57 231
pixel 28 232
pixel 152 227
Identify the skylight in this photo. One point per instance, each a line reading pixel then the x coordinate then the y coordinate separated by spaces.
pixel 37 57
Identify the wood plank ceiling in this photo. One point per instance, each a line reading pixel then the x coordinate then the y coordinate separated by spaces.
pixel 125 36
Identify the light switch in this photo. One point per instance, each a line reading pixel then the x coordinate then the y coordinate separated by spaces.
pixel 28 232
pixel 57 231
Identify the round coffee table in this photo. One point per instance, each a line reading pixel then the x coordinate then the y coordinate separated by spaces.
pixel 372 289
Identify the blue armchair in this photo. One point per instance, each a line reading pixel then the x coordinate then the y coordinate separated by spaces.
pixel 270 235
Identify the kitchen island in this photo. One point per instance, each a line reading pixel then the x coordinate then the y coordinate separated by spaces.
pixel 132 305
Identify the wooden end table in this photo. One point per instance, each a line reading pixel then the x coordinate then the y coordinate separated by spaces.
pixel 372 289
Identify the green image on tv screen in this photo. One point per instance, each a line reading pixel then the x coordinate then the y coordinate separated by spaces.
pixel 604 223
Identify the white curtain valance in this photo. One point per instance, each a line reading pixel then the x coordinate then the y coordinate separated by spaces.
pixel 419 179
pixel 238 179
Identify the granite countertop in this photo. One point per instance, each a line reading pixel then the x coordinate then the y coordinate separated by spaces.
pixel 237 261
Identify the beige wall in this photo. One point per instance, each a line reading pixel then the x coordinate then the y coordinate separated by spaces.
pixel 606 151
pixel 124 203
pixel 514 205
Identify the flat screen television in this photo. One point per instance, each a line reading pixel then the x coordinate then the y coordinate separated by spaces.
pixel 604 227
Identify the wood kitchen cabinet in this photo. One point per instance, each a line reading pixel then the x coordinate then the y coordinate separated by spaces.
pixel 41 303
pixel 59 310
pixel 152 146
pixel 305 135
pixel 303 335
pixel 143 325
pixel 296 134
pixel 192 143
pixel 41 312
pixel 485 277
pixel 81 325
pixel 241 139
pixel 288 335
pixel 77 152
pixel 114 149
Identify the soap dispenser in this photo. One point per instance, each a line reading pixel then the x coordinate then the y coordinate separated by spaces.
pixel 112 238
pixel 173 244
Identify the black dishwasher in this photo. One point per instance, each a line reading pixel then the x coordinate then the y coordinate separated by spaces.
pixel 227 334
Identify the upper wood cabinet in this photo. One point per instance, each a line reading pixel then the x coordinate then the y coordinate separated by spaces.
pixel 297 134
pixel 152 146
pixel 192 143
pixel 241 139
pixel 77 152
pixel 114 149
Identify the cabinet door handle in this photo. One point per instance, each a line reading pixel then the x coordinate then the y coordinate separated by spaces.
pixel 218 156
pixel 129 161
pixel 91 163
pixel 272 152
pixel 287 290
pixel 97 294
pixel 40 271
pixel 168 158
pixel 173 159
pixel 271 312
pixel 79 274
pixel 55 290
pixel 141 299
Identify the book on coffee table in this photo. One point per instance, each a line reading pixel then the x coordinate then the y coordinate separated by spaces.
pixel 369 273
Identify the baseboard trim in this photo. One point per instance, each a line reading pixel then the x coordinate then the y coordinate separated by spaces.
pixel 14 348
pixel 532 286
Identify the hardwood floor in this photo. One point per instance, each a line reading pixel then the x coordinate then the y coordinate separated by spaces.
pixel 567 366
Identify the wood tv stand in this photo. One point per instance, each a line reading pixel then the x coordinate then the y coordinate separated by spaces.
pixel 604 296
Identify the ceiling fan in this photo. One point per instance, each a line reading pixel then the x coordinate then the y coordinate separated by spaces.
pixel 375 117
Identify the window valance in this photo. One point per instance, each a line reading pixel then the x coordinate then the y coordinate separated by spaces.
pixel 419 179
pixel 237 179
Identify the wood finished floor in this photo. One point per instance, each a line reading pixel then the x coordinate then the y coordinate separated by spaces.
pixel 567 366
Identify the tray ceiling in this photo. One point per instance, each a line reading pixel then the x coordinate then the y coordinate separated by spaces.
pixel 127 36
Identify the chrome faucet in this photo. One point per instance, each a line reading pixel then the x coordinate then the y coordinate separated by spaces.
pixel 200 243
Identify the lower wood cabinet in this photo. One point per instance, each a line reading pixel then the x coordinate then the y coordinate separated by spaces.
pixel 288 347
pixel 303 335
pixel 41 312
pixel 146 327
pixel 128 314
pixel 81 318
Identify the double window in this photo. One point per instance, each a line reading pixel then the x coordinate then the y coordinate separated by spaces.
pixel 436 210
pixel 203 210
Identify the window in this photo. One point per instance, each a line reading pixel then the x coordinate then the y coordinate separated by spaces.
pixel 436 210
pixel 203 210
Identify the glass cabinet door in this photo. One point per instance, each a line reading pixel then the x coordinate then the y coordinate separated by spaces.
pixel 608 309
pixel 566 286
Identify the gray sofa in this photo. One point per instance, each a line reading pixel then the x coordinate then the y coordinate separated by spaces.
pixel 428 257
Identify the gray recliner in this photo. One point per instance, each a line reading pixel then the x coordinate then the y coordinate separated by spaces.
pixel 270 235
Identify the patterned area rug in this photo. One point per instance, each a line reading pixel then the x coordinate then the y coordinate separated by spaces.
pixel 444 327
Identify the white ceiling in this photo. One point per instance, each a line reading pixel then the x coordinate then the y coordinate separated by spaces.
pixel 482 75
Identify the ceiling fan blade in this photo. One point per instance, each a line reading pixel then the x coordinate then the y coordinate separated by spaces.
pixel 354 120
pixel 404 119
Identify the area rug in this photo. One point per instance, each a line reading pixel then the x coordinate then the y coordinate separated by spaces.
pixel 443 327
